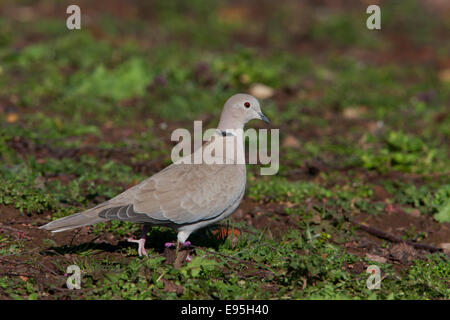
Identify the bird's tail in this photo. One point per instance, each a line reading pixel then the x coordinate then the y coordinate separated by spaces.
pixel 81 219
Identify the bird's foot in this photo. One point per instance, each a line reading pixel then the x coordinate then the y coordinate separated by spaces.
pixel 141 248
pixel 173 244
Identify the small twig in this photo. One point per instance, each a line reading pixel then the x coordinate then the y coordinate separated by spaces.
pixel 71 290
pixel 392 238
pixel 428 175
pixel 305 283
pixel 237 259
pixel 162 275
pixel 14 274
pixel 19 253
pixel 2 226
pixel 75 234
pixel 246 249
pixel 50 270
pixel 42 265
pixel 20 234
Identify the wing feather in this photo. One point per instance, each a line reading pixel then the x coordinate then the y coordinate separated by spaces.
pixel 180 194
pixel 187 193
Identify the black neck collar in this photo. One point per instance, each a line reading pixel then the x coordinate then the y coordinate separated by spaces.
pixel 225 133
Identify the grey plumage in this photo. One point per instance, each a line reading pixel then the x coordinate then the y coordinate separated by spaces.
pixel 182 196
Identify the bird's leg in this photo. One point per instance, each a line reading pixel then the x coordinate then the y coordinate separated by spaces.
pixel 177 249
pixel 141 241
pixel 185 244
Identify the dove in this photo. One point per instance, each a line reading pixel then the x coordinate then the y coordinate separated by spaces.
pixel 184 196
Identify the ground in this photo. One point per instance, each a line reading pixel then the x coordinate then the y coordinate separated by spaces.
pixel 364 124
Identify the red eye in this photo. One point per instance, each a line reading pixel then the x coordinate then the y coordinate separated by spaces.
pixel 247 104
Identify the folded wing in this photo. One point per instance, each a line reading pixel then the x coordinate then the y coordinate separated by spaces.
pixel 180 194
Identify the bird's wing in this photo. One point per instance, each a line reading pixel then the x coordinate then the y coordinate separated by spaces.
pixel 187 193
pixel 181 194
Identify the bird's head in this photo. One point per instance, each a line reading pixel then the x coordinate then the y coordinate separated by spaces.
pixel 238 110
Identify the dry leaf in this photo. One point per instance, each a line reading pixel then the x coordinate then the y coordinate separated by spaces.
pixel 445 247
pixel 12 117
pixel 291 142
pixel 444 75
pixel 261 91
pixel 234 14
pixel 316 219
pixel 170 286
pixel 376 258
pixel 354 113
pixel 413 212
pixel 224 233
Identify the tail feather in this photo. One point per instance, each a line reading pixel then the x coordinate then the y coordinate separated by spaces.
pixel 76 220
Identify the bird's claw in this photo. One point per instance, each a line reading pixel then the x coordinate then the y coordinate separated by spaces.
pixel 141 248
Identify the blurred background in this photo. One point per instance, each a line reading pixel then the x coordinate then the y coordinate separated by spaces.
pixel 364 116
pixel 341 94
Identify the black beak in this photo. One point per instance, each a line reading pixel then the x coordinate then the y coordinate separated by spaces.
pixel 263 117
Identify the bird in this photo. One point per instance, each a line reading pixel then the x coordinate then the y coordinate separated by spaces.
pixel 184 196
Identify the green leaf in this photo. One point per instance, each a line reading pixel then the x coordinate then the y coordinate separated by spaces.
pixel 197 265
pixel 33 296
pixel 443 214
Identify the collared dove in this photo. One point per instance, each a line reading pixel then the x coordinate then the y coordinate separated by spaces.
pixel 183 196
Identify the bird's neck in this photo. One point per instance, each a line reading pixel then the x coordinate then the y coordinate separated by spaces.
pixel 226 133
pixel 231 133
pixel 230 124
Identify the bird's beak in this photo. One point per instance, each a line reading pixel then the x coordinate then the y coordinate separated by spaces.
pixel 263 117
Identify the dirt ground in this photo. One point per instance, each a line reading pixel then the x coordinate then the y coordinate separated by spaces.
pixel 387 226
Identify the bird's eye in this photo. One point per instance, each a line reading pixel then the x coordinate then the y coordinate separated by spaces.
pixel 247 104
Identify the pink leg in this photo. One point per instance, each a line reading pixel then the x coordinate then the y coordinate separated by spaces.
pixel 141 248
pixel 141 242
